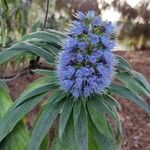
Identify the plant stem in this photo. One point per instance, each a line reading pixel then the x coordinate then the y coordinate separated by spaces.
pixel 46 15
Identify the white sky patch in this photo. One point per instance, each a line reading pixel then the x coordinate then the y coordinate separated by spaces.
pixel 113 15
pixel 110 15
pixel 133 3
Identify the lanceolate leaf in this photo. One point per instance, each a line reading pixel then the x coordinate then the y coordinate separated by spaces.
pixel 122 63
pixel 19 136
pixel 81 130
pixel 44 122
pixel 17 139
pixel 113 102
pixel 139 77
pixel 127 94
pixel 67 142
pixel 42 35
pixel 5 99
pixel 5 55
pixel 13 116
pixel 38 91
pixel 100 103
pixel 76 110
pixel 66 111
pixel 21 48
pixel 50 73
pixel 45 143
pixel 101 141
pixel 92 143
pixel 98 118
pixel 58 33
pixel 34 89
pixel 133 85
pixel 113 108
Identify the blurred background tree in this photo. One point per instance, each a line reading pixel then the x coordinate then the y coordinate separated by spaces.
pixel 18 17
pixel 13 20
pixel 134 24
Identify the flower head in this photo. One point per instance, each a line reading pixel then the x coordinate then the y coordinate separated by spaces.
pixel 86 64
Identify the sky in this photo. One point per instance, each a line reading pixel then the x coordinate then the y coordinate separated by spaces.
pixel 113 15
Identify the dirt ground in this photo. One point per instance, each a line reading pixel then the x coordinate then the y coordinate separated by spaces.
pixel 135 121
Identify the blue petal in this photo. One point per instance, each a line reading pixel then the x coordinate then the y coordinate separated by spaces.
pixel 90 14
pixel 80 15
pixel 96 21
pixel 94 38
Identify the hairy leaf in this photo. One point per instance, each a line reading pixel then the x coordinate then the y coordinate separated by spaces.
pixel 127 94
pixel 81 130
pixel 67 142
pixel 44 122
pixel 64 117
pixel 98 117
pixel 13 116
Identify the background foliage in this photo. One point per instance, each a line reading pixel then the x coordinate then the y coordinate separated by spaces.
pixel 22 16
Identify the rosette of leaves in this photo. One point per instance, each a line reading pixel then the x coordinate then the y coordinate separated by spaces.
pixel 79 91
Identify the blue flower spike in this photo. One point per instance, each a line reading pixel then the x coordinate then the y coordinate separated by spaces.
pixel 86 64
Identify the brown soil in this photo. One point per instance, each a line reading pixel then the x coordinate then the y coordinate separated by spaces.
pixel 136 122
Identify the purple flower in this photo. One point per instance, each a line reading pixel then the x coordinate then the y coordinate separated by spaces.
pixel 67 84
pixel 85 67
pixel 80 15
pixel 77 28
pixel 69 44
pixel 82 45
pixel 96 21
pixel 109 28
pixel 92 59
pixel 94 39
pixel 79 57
pixel 90 14
pixel 87 91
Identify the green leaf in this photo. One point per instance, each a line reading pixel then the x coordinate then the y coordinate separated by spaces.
pixel 81 130
pixel 58 33
pixel 76 110
pixel 38 91
pixel 44 122
pixel 17 139
pixel 98 117
pixel 51 38
pixel 13 116
pixel 109 102
pixel 127 94
pixel 92 145
pixel 122 63
pixel 139 77
pixel 36 26
pixel 100 102
pixel 19 136
pixel 45 143
pixel 46 72
pixel 21 48
pixel 132 84
pixel 5 99
pixel 67 142
pixel 64 117
pixel 100 141
pixel 112 101
pixel 53 50
pixel 5 55
pixel 103 141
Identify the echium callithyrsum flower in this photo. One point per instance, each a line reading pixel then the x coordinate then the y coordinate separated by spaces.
pixel 86 64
